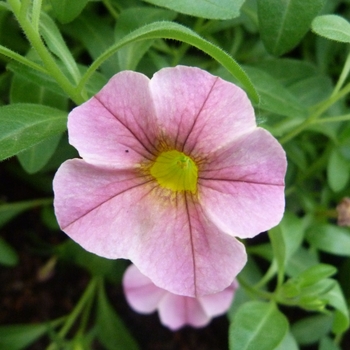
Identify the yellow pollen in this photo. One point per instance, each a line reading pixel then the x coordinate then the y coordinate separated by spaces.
pixel 175 171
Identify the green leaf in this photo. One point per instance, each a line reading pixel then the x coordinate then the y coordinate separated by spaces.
pixel 336 299
pixel 327 343
pixel 16 337
pixel 26 91
pixel 110 330
pixel 263 250
pixel 312 90
pixel 217 9
pixel 286 70
pixel 279 249
pixel 332 27
pixel 337 171
pixel 330 238
pixel 311 329
pixel 8 255
pixel 10 210
pixel 95 84
pixel 250 274
pixel 315 274
pixel 97 36
pixel 22 90
pixel 56 44
pixel 46 83
pixel 130 20
pixel 169 30
pixel 300 261
pixel 35 158
pixel 37 77
pixel 24 125
pixel 313 297
pixel 296 155
pixel 257 325
pixel 67 10
pixel 293 230
pixel 284 23
pixel 4 6
pixel 274 96
pixel 288 343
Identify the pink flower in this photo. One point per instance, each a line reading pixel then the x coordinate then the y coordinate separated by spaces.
pixel 172 170
pixel 175 311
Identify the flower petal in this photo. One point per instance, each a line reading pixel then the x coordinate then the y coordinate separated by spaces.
pixel 241 188
pixel 141 293
pixel 82 193
pixel 176 311
pixel 116 126
pixel 218 303
pixel 117 214
pixel 198 112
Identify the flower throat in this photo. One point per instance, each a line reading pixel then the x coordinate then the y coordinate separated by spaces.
pixel 175 171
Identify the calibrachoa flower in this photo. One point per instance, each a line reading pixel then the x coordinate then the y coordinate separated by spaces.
pixel 175 311
pixel 172 170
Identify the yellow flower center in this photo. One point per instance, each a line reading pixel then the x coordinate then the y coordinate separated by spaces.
pixel 175 171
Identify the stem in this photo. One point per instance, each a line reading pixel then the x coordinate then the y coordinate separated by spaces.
pixel 24 9
pixel 334 98
pixel 50 64
pixel 338 338
pixel 180 53
pixel 111 9
pixel 340 118
pixel 270 273
pixel 328 214
pixel 17 57
pixel 237 41
pixel 85 317
pixel 71 318
pixel 15 4
pixel 36 14
pixel 88 294
pixel 24 205
pixel 343 76
pixel 254 290
pixel 314 116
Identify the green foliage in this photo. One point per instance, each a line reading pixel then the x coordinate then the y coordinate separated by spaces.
pixel 36 157
pixel 288 343
pixel 10 210
pixel 332 27
pixel 257 325
pixel 8 255
pixel 66 10
pixel 24 125
pixel 110 330
pixel 311 329
pixel 328 344
pixel 330 238
pixel 274 97
pixel 129 20
pixel 68 52
pixel 169 30
pixel 338 171
pixel 284 23
pixel 16 337
pixel 56 44
pixel 96 37
pixel 37 77
pixel 223 9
